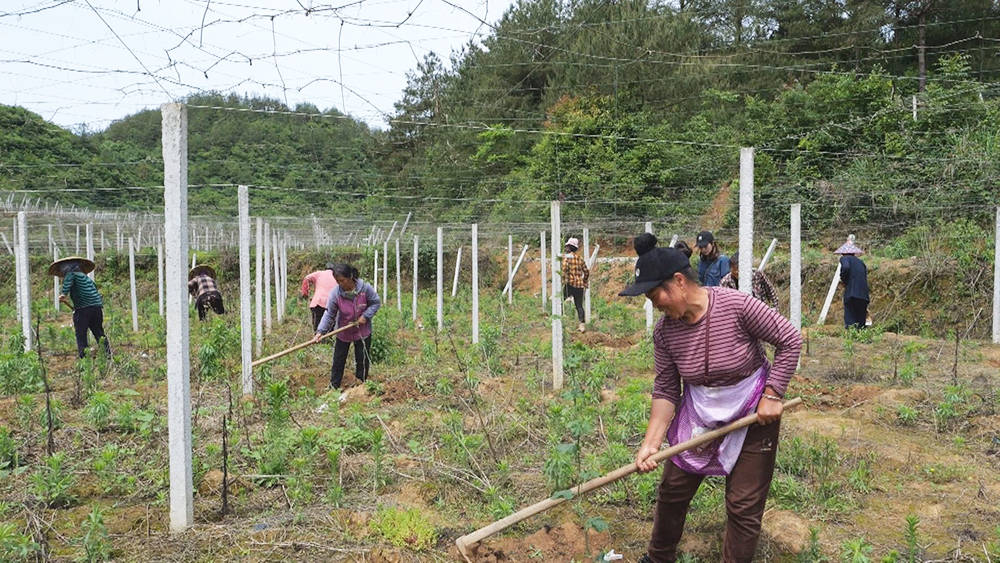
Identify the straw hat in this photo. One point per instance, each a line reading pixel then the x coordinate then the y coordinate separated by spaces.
pixel 86 266
pixel 201 269
pixel 849 247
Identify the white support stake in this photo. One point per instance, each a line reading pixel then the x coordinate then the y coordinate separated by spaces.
pixel 508 288
pixel 557 327
pixel 7 244
pixel 175 208
pixel 416 253
pixel 586 292
pixel 439 279
pixel 475 283
pixel 590 266
pixel 829 296
pixel 405 223
pixel 746 220
pixel 458 265
pixel 55 280
pixel 246 359
pixel 673 241
pixel 392 230
pixel 159 274
pixel 259 287
pixel 399 283
pixel 267 278
pixel 25 271
pixel 648 305
pixel 544 277
pixel 795 268
pixel 996 280
pixel 131 280
pixel 90 245
pixel 767 255
pixel 510 266
pixel 385 270
pixel 277 276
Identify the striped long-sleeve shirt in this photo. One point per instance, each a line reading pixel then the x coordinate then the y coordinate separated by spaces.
pixel 82 290
pixel 732 330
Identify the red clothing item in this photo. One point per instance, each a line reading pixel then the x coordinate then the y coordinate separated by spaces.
pixel 324 282
pixel 732 329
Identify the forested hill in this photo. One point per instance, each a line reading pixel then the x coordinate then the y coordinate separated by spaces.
pixel 299 161
pixel 627 110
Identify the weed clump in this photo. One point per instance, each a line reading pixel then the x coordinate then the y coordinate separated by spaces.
pixel 404 528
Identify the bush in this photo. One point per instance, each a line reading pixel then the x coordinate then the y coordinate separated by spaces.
pixel 15 546
pixel 98 410
pixel 404 528
pixel 9 458
pixel 20 373
pixel 52 482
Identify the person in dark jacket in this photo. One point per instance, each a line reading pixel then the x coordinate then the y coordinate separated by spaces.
pixel 87 303
pixel 713 265
pixel 353 300
pixel 854 277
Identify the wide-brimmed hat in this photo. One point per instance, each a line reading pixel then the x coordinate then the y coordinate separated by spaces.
pixel 653 268
pixel 201 269
pixel 849 247
pixel 86 266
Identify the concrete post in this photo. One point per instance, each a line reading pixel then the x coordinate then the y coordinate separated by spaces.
pixel 243 197
pixel 795 268
pixel 746 220
pixel 458 266
pixel 557 326
pixel 416 253
pixel 439 279
pixel 267 278
pixel 131 280
pixel 510 266
pixel 375 272
pixel 385 270
pixel 996 280
pixel 544 277
pixel 405 223
pixel 586 292
pixel 475 283
pixel 275 262
pixel 767 255
pixel 178 355
pixel 259 287
pixel 159 274
pixel 829 296
pixel 17 268
pixel 90 245
pixel 77 253
pixel 25 271
pixel 399 284
pixel 55 280
pixel 648 305
pixel 509 287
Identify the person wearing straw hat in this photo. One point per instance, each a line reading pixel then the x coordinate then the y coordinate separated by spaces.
pixel 201 284
pixel 854 277
pixel 80 293
pixel 711 370
pixel 353 300
pixel 323 282
pixel 577 276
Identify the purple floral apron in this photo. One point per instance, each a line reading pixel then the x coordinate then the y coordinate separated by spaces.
pixel 705 408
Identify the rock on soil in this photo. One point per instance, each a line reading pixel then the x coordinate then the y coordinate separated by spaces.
pixel 787 531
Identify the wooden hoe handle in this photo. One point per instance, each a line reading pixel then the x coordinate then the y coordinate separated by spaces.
pixel 301 346
pixel 469 540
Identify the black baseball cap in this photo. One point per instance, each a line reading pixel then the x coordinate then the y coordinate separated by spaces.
pixel 703 239
pixel 655 267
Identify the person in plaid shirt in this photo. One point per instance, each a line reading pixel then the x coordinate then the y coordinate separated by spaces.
pixel 762 288
pixel 201 284
pixel 576 275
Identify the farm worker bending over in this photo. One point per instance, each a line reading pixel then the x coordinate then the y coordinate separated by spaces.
pixel 710 338
pixel 713 265
pixel 352 300
pixel 201 284
pixel 88 306
pixel 854 276
pixel 762 288
pixel 324 282
pixel 576 274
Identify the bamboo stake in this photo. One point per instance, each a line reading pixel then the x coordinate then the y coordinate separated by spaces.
pixel 301 346
pixel 469 540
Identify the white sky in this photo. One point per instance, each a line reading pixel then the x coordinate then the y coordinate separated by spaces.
pixel 95 61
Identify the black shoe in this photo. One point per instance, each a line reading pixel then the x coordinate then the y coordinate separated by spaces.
pixel 645 558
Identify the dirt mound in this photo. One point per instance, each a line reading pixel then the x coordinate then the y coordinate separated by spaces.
pixel 787 530
pixel 399 390
pixel 606 340
pixel 562 543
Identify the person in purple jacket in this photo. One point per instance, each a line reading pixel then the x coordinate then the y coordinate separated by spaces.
pixel 709 339
pixel 352 300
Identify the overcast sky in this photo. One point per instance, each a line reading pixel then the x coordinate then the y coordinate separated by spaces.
pixel 94 61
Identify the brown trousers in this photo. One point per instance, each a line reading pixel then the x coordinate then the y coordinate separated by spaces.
pixel 747 486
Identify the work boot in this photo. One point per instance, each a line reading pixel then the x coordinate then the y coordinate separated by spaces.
pixel 582 328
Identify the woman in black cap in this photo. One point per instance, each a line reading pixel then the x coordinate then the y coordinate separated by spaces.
pixel 710 339
pixel 713 264
pixel 87 303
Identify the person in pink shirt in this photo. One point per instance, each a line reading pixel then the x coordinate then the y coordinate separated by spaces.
pixel 710 370
pixel 324 283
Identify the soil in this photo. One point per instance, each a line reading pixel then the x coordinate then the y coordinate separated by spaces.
pixel 564 542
